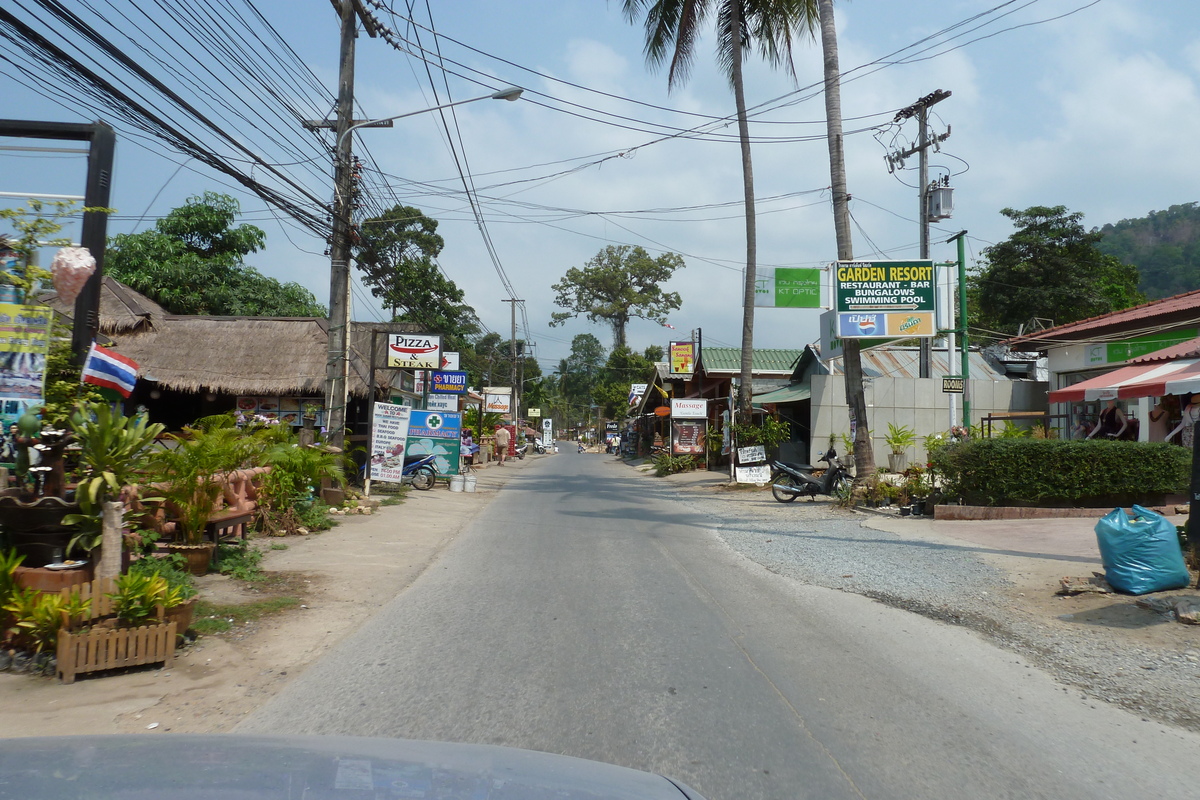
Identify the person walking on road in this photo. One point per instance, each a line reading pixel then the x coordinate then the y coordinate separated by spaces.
pixel 502 439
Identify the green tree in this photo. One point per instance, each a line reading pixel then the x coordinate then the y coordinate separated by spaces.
pixel 618 284
pixel 193 262
pixel 624 367
pixel 397 253
pixel 579 373
pixel 672 28
pixel 1049 268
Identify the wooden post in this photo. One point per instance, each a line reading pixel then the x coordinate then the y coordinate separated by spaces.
pixel 112 522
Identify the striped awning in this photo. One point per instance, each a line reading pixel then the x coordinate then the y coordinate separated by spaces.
pixel 1141 380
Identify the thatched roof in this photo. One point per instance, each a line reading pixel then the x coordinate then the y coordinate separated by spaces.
pixel 122 310
pixel 269 356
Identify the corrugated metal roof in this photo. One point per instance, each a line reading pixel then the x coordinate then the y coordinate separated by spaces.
pixel 764 361
pixel 905 362
pixel 1179 304
pixel 1188 349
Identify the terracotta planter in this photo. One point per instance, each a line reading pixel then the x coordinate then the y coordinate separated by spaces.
pixel 181 615
pixel 198 556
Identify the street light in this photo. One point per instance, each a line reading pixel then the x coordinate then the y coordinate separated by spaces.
pixel 338 362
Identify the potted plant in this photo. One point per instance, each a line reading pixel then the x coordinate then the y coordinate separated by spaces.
pixel 115 450
pixel 180 595
pixel 191 472
pixel 847 457
pixel 899 439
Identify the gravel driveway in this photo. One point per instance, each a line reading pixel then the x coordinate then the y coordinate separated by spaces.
pixel 820 544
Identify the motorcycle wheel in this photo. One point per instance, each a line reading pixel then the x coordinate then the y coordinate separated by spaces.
pixel 780 495
pixel 424 479
pixel 842 485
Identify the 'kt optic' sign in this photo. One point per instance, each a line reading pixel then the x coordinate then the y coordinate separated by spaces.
pixel 414 350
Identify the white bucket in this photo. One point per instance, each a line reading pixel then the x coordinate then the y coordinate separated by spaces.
pixel 469 483
pixel 456 483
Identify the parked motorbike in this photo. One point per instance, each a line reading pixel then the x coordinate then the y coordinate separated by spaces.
pixel 582 449
pixel 538 447
pixel 420 471
pixel 789 481
pixel 522 450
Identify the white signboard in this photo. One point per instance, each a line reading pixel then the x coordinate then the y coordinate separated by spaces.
pixel 389 435
pixel 450 363
pixel 497 399
pixel 759 474
pixel 414 351
pixel 442 402
pixel 752 455
pixel 636 392
pixel 547 431
pixel 689 408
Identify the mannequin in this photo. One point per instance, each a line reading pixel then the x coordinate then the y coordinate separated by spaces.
pixel 1112 422
pixel 1187 423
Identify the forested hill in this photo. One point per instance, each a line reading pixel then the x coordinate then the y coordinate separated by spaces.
pixel 1163 245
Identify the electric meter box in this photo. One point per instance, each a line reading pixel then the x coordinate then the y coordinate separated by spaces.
pixel 941 203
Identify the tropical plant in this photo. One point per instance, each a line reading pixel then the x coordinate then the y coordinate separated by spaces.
pixel 138 596
pixel 672 28
pixel 900 438
pixel 172 569
pixel 9 561
pixel 770 433
pixel 39 616
pixel 296 472
pixel 192 470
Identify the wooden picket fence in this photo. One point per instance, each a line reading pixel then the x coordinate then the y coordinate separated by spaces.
pixel 100 648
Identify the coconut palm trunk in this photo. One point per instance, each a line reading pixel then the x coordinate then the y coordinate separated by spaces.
pixel 746 382
pixel 864 456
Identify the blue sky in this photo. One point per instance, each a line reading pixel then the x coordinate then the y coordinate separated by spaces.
pixel 1097 111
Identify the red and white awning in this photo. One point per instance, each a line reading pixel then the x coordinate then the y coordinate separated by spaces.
pixel 1142 380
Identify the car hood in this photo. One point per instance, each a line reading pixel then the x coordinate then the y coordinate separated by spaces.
pixel 191 767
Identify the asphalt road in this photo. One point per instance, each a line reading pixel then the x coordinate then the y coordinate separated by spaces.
pixel 588 612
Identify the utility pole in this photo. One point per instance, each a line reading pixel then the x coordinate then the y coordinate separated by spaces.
pixel 961 238
pixel 337 365
pixel 920 110
pixel 512 347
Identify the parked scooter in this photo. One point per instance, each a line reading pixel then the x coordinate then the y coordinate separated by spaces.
pixel 538 447
pixel 420 471
pixel 521 451
pixel 582 449
pixel 789 481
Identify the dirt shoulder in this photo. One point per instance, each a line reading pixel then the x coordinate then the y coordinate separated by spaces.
pixel 339 577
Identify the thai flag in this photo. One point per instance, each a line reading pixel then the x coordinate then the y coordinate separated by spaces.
pixel 109 370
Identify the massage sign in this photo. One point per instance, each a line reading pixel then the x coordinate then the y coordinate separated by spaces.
pixel 885 298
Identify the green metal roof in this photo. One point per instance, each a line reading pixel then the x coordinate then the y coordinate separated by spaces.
pixel 729 359
pixel 788 394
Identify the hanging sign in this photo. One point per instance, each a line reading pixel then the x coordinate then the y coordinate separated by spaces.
pixel 448 382
pixel 683 358
pixel 497 399
pixel 414 351
pixel 450 361
pixel 695 408
pixel 786 287
pixel 885 298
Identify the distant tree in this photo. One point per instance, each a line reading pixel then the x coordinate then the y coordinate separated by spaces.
pixel 192 262
pixel 397 253
pixel 624 367
pixel 579 372
pixel 618 284
pixel 1050 268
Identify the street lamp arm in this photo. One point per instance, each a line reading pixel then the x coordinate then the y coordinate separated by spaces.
pixel 509 93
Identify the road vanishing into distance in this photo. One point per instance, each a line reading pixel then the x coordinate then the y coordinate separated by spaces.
pixel 588 611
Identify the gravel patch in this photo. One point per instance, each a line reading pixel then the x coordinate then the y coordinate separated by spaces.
pixel 822 545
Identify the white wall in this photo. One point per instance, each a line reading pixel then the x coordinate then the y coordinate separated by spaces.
pixel 916 402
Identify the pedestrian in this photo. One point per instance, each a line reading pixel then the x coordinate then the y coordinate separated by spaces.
pixel 503 437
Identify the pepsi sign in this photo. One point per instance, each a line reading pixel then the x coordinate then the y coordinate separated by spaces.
pixel 860 325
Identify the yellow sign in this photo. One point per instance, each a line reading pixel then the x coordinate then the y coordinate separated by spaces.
pixel 534 412
pixel 683 358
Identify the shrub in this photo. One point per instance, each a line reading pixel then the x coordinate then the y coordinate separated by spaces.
pixel 1025 471
pixel 667 464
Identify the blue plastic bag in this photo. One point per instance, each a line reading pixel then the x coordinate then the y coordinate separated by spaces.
pixel 1141 554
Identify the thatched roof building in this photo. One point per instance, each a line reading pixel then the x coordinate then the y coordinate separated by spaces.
pixel 265 356
pixel 122 310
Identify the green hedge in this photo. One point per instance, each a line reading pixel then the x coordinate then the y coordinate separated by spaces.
pixel 1052 472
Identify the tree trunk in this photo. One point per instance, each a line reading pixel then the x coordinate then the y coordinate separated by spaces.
pixel 746 386
pixel 111 529
pixel 864 456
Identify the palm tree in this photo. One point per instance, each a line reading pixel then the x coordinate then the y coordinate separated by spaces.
pixel 864 456
pixel 672 27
